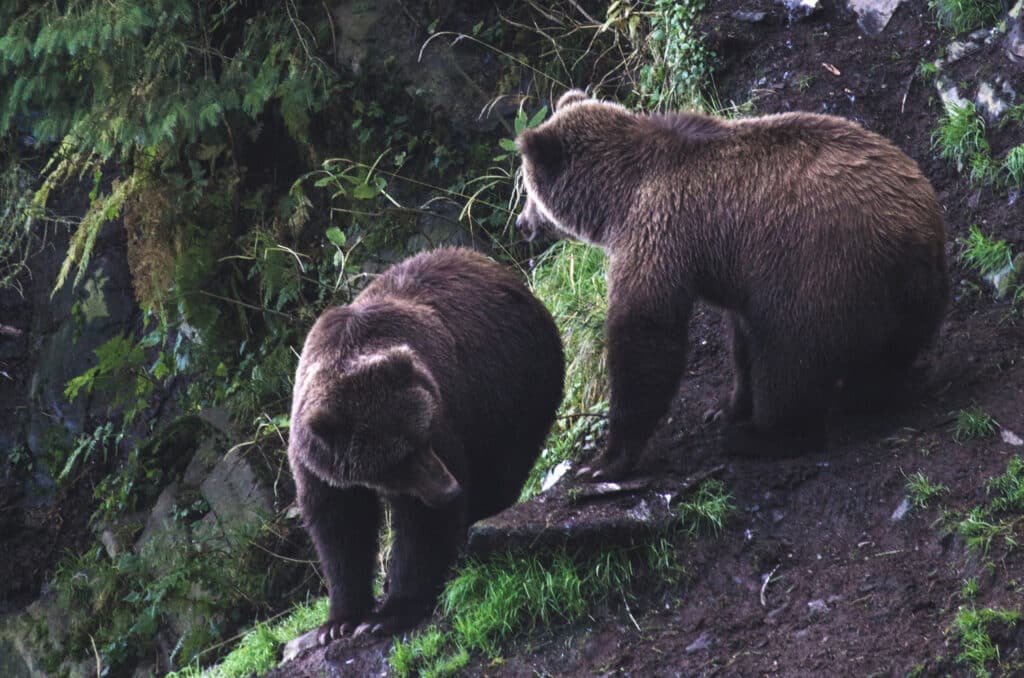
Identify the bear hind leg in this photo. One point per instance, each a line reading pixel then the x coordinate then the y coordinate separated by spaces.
pixel 790 400
pixel 739 405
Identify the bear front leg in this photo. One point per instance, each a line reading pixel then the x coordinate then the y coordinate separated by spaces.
pixel 426 543
pixel 344 526
pixel 646 359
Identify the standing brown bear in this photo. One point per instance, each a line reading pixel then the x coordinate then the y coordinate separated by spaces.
pixel 822 241
pixel 432 391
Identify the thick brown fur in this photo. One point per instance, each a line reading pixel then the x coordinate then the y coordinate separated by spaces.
pixel 822 241
pixel 432 391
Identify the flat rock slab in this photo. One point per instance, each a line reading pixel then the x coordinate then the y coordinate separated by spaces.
pixel 579 514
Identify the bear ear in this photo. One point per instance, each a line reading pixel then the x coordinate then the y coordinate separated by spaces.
pixel 324 422
pixel 542 146
pixel 572 96
pixel 393 366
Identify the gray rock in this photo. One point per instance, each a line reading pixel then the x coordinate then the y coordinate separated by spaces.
pixel 873 15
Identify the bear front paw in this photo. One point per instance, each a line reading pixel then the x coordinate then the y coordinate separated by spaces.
pixel 609 467
pixel 336 628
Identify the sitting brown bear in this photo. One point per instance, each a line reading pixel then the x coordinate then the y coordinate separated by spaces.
pixel 434 391
pixel 822 241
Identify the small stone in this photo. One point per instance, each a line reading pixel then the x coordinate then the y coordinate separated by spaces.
pixel 989 103
pixel 817 607
pixel 554 475
pixel 800 9
pixel 299 645
pixel 1011 438
pixel 703 642
pixel 750 18
pixel 900 511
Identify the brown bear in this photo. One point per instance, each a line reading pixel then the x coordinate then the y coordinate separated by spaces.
pixel 822 242
pixel 432 391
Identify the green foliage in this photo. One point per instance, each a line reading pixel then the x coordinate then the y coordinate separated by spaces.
pixel 119 373
pixel 960 135
pixel 677 62
pixel 152 86
pixel 983 253
pixel 17 239
pixel 960 16
pixel 120 603
pixel 973 423
pixel 971 627
pixel 921 490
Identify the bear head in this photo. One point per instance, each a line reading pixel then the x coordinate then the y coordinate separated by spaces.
pixel 570 169
pixel 371 425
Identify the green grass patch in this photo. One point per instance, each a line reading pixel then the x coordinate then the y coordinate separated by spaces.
pixel 921 490
pixel 1009 487
pixel 960 135
pixel 971 627
pixel 492 603
pixel 571 279
pixel 960 16
pixel 973 423
pixel 258 650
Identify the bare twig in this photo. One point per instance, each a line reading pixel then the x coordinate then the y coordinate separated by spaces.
pixel 764 586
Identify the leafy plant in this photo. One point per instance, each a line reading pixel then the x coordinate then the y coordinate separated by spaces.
pixel 960 134
pixel 677 63
pixel 921 490
pixel 973 423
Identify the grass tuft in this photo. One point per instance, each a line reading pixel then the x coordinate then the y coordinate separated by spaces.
pixel 973 423
pixel 972 628
pixel 960 135
pixel 708 510
pixel 960 16
pixel 983 253
pixel 921 490
pixel 1013 167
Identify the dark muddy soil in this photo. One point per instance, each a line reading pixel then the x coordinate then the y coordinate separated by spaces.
pixel 813 575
